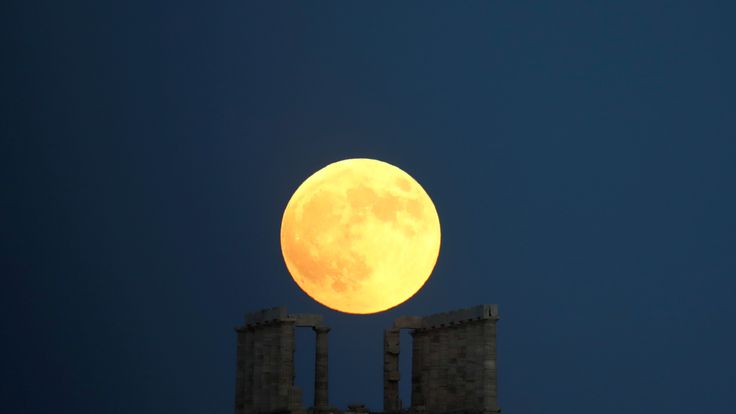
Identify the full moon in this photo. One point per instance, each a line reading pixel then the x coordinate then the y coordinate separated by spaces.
pixel 360 236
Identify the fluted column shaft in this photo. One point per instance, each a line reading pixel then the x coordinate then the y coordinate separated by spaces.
pixel 320 368
pixel 391 347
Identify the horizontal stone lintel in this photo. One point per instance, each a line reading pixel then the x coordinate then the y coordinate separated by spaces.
pixel 408 322
pixel 455 317
pixel 266 315
pixel 281 314
pixel 307 320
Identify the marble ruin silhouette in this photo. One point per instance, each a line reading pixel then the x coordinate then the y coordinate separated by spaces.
pixel 453 363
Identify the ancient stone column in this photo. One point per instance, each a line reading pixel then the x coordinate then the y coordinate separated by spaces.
pixel 284 366
pixel 490 394
pixel 320 369
pixel 242 374
pixel 248 380
pixel 391 348
pixel 418 370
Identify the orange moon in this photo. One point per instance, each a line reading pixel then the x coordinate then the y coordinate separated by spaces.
pixel 360 236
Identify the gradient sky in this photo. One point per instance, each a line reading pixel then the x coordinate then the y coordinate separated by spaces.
pixel 581 155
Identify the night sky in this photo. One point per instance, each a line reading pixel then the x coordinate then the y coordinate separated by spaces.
pixel 581 156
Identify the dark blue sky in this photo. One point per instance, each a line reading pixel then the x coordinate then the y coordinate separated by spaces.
pixel 581 155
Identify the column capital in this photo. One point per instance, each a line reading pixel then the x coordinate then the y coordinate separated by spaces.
pixel 321 329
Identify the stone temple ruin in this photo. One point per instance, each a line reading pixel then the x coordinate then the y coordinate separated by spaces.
pixel 453 363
